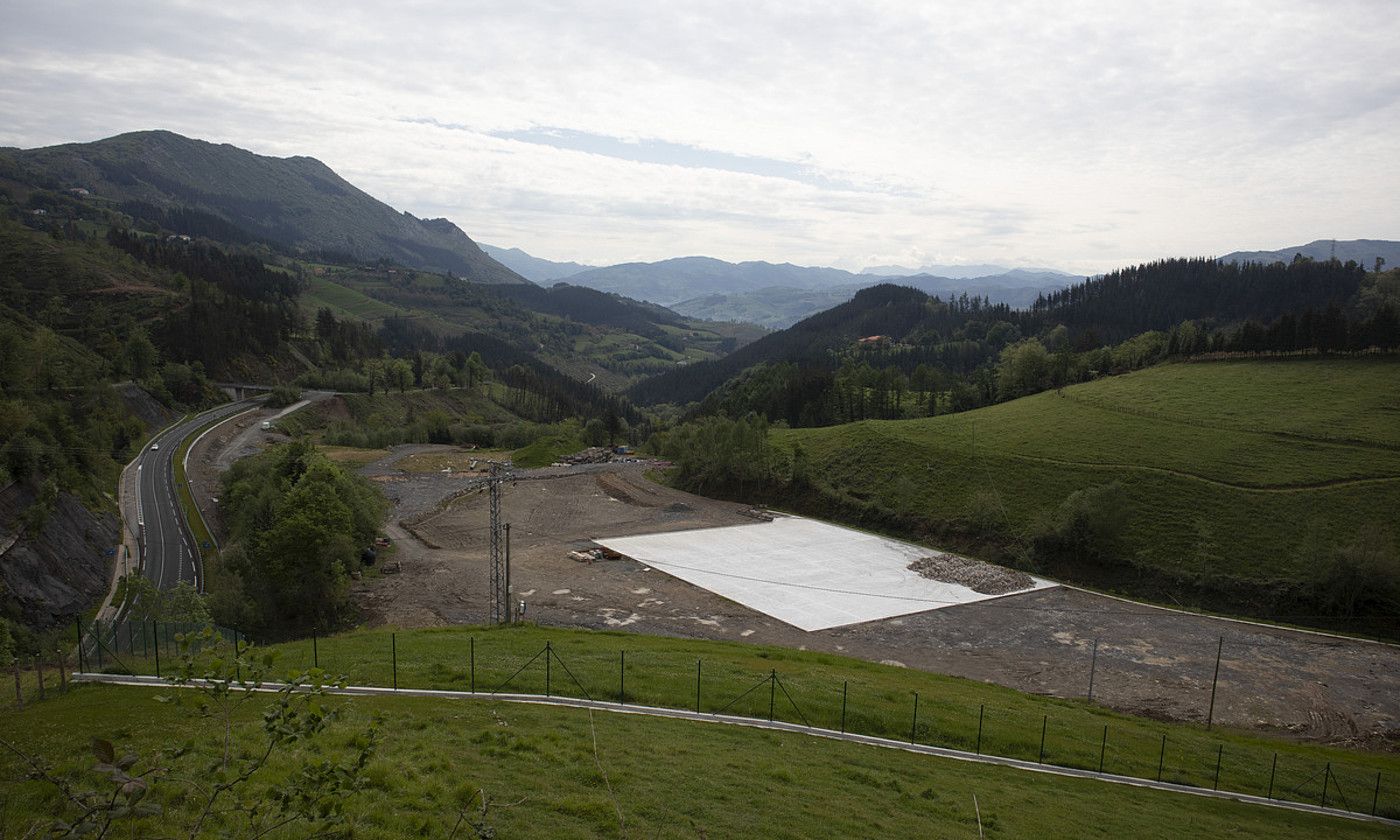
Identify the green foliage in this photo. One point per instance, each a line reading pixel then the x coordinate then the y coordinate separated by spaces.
pixel 235 794
pixel 540 445
pixel 1360 577
pixel 283 396
pixel 595 433
pixel 7 641
pixel 1023 368
pixel 716 454
pixel 1087 527
pixel 297 525
pixel 145 602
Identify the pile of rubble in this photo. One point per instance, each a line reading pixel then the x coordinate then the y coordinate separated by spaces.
pixel 592 555
pixel 591 455
pixel 974 574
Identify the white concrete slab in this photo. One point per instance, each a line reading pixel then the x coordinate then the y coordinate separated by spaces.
pixel 810 574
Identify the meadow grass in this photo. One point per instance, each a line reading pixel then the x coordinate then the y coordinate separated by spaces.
pixel 570 773
pixel 1227 467
pixel 813 688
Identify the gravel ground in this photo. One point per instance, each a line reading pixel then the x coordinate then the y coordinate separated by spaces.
pixel 1149 661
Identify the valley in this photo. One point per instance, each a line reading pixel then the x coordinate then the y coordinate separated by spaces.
pixel 1194 462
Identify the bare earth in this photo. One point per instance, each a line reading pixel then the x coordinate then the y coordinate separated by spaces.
pixel 1150 661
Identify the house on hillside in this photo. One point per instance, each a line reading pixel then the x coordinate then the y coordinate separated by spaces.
pixel 873 340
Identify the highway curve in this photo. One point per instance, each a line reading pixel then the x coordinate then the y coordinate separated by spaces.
pixel 168 551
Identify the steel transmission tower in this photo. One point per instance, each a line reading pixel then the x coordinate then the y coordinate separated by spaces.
pixel 500 598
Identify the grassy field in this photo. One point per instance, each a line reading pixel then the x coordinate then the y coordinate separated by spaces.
pixel 1228 467
pixel 351 456
pixel 565 773
pixel 815 688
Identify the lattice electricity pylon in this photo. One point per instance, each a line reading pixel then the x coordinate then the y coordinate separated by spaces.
pixel 500 598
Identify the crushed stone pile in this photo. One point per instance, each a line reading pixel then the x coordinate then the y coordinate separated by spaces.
pixel 974 574
pixel 591 455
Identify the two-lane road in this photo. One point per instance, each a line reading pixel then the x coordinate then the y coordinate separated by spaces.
pixel 168 550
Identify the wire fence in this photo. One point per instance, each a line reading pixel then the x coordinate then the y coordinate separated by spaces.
pixel 1042 730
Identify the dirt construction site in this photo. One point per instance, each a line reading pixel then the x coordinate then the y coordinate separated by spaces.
pixel 567 521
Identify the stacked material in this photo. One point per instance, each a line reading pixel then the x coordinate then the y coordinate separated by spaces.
pixel 591 455
pixel 974 574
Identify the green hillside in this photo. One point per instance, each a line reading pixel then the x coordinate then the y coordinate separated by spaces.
pixel 577 773
pixel 1235 475
pixel 296 202
pixel 544 769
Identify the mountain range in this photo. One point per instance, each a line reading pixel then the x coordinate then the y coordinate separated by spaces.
pixel 297 203
pixel 773 295
pixel 957 272
pixel 533 268
pixel 1363 251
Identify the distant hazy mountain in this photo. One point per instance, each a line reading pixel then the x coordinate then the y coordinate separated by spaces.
pixel 779 307
pixel 1364 251
pixel 296 202
pixel 533 268
pixel 776 307
pixel 670 281
pixel 957 272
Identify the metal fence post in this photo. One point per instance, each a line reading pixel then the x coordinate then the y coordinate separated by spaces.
pixel 1376 797
pixel 844 686
pixel 621 677
pixel 1210 715
pixel 1103 747
pixel 697 686
pixel 155 640
pixel 980 710
pixel 1044 723
pixel 1093 666
pixel 237 665
pixel 1272 771
pixel 394 657
pixel 472 651
pixel 1219 754
pixel 548 656
pixel 772 689
pixel 1162 757
pixel 914 727
pixel 315 654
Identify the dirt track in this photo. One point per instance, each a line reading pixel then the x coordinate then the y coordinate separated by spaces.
pixel 1150 661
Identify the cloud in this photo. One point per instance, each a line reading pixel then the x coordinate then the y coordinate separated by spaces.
pixel 1083 135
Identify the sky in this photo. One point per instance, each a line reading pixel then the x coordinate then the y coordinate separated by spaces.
pixel 1075 135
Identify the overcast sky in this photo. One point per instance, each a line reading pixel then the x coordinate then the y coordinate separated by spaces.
pixel 1075 135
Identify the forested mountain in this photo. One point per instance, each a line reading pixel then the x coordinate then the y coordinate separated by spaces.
pixel 1363 251
pixel 1156 296
pixel 779 307
pixel 202 189
pixel 955 347
pixel 533 268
